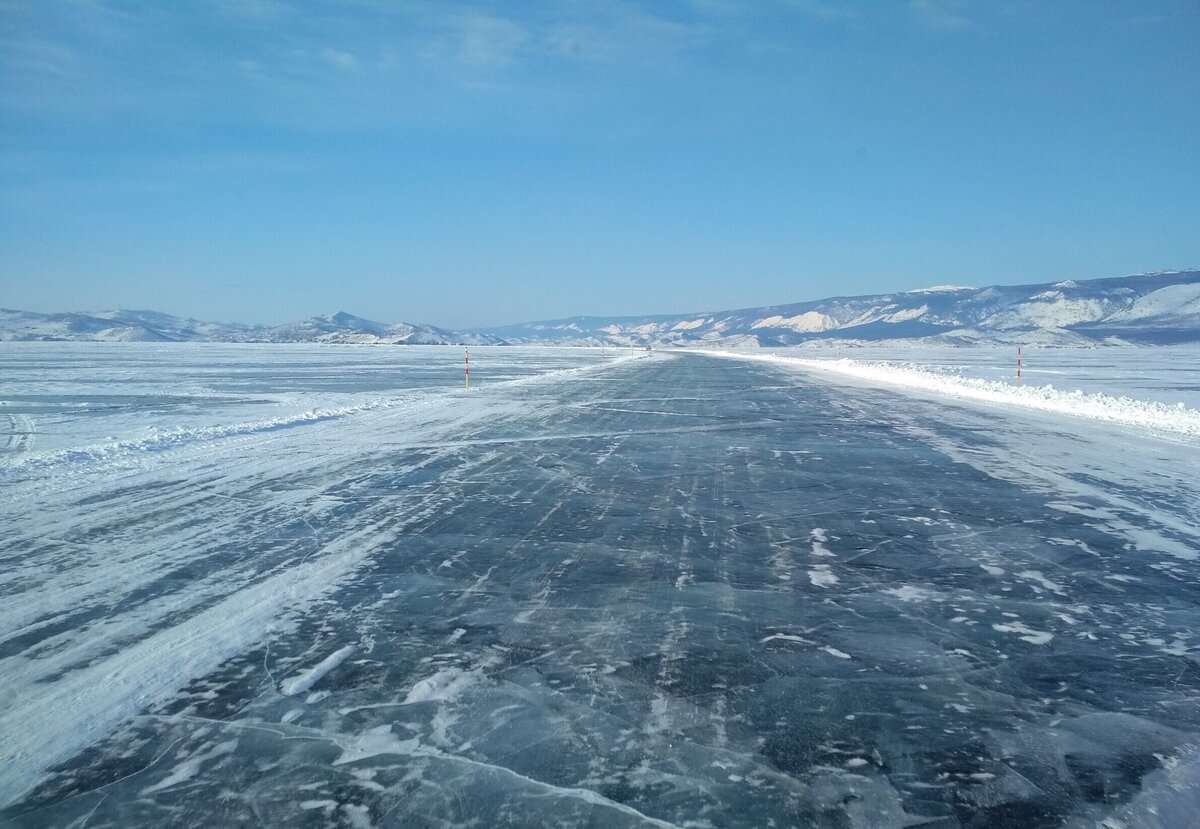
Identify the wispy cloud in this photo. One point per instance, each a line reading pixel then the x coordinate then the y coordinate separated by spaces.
pixel 253 9
pixel 825 11
pixel 625 37
pixel 943 15
pixel 340 59
pixel 37 55
pixel 328 62
pixel 489 41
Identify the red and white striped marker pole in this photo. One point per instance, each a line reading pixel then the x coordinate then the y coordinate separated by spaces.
pixel 1018 365
pixel 467 368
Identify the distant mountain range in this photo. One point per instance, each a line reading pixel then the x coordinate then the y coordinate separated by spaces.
pixel 1154 308
pixel 151 326
pixel 1146 308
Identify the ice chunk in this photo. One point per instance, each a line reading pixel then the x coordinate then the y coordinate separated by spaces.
pixel 444 686
pixel 374 742
pixel 304 680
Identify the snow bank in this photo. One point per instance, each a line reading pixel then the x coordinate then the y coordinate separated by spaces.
pixel 175 438
pixel 1177 419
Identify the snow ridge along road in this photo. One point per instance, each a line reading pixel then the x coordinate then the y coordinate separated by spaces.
pixel 673 591
pixel 1177 419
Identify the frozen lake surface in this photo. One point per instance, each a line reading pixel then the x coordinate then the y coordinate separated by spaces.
pixel 309 586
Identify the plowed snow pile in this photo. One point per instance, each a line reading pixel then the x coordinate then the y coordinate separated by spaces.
pixel 1177 419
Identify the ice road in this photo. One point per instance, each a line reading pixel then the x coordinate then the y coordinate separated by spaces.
pixel 675 590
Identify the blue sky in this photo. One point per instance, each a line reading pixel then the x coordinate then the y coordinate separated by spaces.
pixel 475 164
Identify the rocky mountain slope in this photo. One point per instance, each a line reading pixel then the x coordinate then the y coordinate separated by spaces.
pixel 1146 308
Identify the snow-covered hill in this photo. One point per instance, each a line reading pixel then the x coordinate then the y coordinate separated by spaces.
pixel 1146 308
pixel 1156 308
pixel 347 328
pixel 116 326
pixel 151 326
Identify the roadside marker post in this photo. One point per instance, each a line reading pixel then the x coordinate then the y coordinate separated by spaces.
pixel 466 368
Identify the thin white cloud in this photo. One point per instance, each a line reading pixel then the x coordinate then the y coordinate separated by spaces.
pixel 489 41
pixel 824 11
pixel 943 15
pixel 333 65
pixel 253 9
pixel 38 56
pixel 623 36
pixel 340 59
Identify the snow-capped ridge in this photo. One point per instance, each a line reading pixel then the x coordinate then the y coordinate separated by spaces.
pixel 152 326
pixel 940 289
pixel 1063 313
pixel 1150 308
pixel 1166 305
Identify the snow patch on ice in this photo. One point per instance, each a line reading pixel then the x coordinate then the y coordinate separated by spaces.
pixel 908 593
pixel 820 576
pixel 1036 575
pixel 190 767
pixel 819 538
pixel 1033 637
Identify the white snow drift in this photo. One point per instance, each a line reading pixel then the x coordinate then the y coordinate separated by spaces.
pixel 1177 419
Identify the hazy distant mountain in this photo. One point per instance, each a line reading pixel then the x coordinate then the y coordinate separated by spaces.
pixel 114 326
pixel 1147 308
pixel 151 326
pixel 347 328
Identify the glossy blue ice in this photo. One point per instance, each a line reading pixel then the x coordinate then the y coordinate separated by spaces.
pixel 677 591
